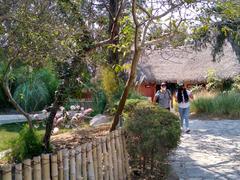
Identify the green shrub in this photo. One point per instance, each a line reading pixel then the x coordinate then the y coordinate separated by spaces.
pixel 225 104
pixel 32 95
pixel 27 144
pixel 152 132
pixel 109 82
pixel 99 102
pixel 214 83
pixel 197 89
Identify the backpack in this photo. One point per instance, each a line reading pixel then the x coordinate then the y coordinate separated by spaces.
pixel 168 91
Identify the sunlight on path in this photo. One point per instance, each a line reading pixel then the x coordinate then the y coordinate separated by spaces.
pixel 211 151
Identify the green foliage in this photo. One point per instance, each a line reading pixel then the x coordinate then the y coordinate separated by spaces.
pixel 226 104
pixel 49 78
pixel 110 82
pixel 126 35
pixel 224 27
pixel 152 131
pixel 99 102
pixel 197 89
pixel 26 145
pixel 32 95
pixel 236 84
pixel 214 83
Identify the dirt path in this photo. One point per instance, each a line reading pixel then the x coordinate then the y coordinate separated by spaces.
pixel 211 151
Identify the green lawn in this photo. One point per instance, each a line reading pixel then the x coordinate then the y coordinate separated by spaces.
pixel 8 132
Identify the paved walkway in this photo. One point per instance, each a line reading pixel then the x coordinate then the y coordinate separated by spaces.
pixel 211 151
pixel 6 119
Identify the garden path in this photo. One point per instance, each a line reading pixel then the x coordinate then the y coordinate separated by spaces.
pixel 210 151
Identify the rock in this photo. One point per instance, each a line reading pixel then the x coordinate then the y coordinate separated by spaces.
pixel 98 120
pixel 55 130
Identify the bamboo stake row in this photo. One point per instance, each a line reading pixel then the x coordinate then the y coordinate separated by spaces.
pixel 105 158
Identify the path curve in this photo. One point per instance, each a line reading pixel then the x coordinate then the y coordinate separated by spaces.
pixel 211 151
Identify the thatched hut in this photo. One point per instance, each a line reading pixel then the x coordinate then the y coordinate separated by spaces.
pixel 183 64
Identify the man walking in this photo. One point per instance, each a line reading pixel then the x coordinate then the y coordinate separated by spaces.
pixel 164 97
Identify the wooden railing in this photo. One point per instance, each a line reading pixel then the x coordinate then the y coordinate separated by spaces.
pixel 105 158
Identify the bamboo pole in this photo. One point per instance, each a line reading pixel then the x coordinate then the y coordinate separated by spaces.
pixel 114 155
pixel 54 167
pixel 110 158
pixel 7 172
pixel 18 172
pixel 99 159
pixel 120 133
pixel 45 167
pixel 65 164
pixel 119 155
pixel 72 165
pixel 60 164
pixel 37 168
pixel 127 167
pixel 105 159
pixel 27 169
pixel 91 175
pixel 95 164
pixel 78 163
pixel 84 160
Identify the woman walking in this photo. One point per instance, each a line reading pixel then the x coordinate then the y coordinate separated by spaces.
pixel 183 96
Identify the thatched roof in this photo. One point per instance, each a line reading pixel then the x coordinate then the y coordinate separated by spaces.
pixel 186 64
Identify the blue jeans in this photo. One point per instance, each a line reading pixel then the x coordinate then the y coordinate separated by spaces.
pixel 184 115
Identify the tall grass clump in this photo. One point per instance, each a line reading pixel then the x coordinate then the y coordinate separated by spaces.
pixel 224 104
pixel 32 95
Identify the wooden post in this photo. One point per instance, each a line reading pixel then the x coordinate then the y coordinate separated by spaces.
pixel 18 172
pixel 91 175
pixel 95 164
pixel 65 164
pixel 72 165
pixel 78 163
pixel 54 167
pixel 27 169
pixel 110 158
pixel 99 159
pixel 45 167
pixel 119 155
pixel 127 167
pixel 105 159
pixel 84 161
pixel 114 155
pixel 60 165
pixel 37 172
pixel 7 172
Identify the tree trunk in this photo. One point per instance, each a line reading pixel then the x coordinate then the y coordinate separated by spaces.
pixel 59 99
pixel 15 104
pixel 136 57
pixel 9 94
pixel 128 85
pixel 113 30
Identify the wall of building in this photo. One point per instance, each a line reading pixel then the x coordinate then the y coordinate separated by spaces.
pixel 147 89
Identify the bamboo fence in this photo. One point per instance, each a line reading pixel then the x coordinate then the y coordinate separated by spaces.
pixel 105 158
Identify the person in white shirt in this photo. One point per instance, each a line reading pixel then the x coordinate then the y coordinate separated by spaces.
pixel 183 97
